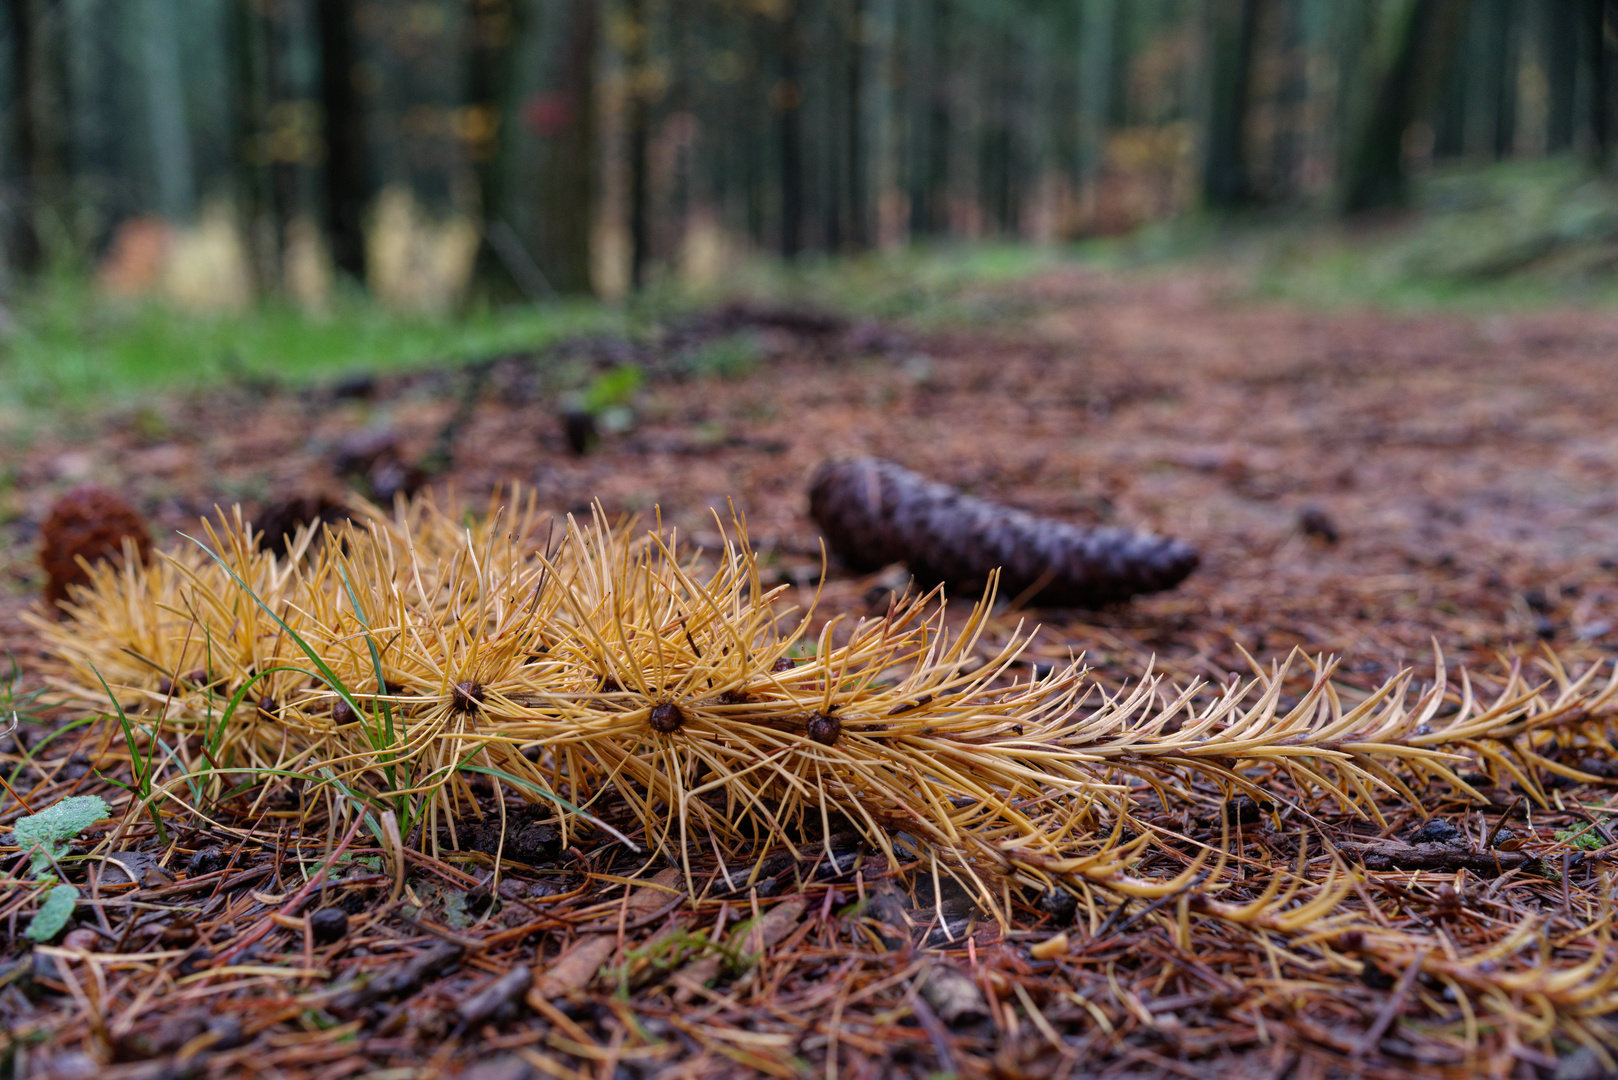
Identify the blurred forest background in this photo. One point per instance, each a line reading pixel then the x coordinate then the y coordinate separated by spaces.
pixel 446 154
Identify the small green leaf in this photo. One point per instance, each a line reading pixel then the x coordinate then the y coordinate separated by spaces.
pixel 47 832
pixel 455 912
pixel 54 913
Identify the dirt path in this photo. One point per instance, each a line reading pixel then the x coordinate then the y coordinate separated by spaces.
pixel 1466 464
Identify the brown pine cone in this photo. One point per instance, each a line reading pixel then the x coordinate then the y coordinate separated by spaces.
pixel 874 512
pixel 89 521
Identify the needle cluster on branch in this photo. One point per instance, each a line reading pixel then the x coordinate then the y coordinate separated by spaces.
pixel 406 655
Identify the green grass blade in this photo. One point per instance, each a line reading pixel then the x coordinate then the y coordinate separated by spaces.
pixel 326 673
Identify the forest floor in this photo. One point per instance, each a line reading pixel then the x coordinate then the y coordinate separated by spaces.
pixel 1360 484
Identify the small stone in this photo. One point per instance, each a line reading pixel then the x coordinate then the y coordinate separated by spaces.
pixel 1060 905
pixel 1243 810
pixel 954 995
pixel 1435 831
pixel 83 939
pixel 226 1031
pixel 195 960
pixel 1581 1064
pixel 580 429
pixel 206 861
pixel 361 384
pixel 329 924
pixel 1314 522
pixel 506 1067
pixel 74 1066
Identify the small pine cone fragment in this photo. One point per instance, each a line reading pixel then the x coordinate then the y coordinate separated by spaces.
pixel 281 519
pixel 92 522
pixel 874 512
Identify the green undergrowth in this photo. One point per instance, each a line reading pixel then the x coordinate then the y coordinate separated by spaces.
pixel 931 284
pixel 1512 236
pixel 69 347
pixel 70 350
pixel 1509 236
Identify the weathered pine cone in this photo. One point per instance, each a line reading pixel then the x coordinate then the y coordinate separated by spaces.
pixel 91 522
pixel 874 512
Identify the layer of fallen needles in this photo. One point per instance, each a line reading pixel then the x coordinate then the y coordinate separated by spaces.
pixel 427 671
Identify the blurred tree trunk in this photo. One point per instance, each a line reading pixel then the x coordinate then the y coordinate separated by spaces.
pixel 1499 102
pixel 855 129
pixel 1423 48
pixel 1097 44
pixel 165 108
pixel 38 126
pixel 493 29
pixel 1560 22
pixel 942 129
pixel 675 197
pixel 640 137
pixel 1452 113
pixel 826 115
pixel 787 97
pixel 1595 44
pixel 265 178
pixel 920 95
pixel 567 188
pixel 1291 103
pixel 755 154
pixel 1227 181
pixel 346 174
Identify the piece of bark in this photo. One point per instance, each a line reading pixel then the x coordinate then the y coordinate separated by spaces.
pixel 752 940
pixel 399 979
pixel 486 1002
pixel 655 895
pixel 690 980
pixel 887 911
pixel 1394 855
pixel 748 943
pixel 874 512
pixel 954 996
pixel 573 969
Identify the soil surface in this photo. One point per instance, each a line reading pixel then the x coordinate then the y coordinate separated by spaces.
pixel 1359 484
